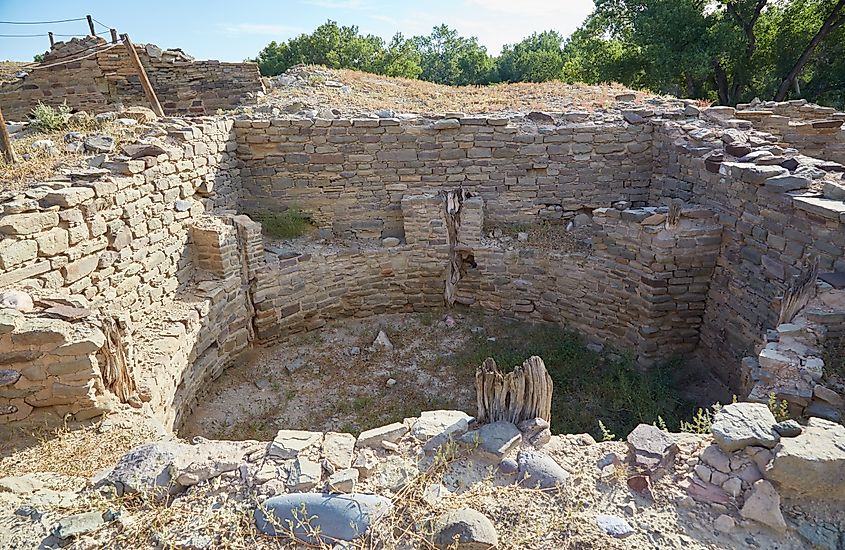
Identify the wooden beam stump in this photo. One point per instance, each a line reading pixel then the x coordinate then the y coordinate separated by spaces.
pixel 145 82
pixel 524 394
pixel 6 142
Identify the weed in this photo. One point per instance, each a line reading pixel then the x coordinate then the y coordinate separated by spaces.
pixel 780 410
pixel 285 225
pixel 701 421
pixel 50 119
pixel 606 435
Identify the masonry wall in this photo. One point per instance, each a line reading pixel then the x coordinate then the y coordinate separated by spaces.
pixel 768 236
pixel 351 175
pixel 120 244
pixel 95 84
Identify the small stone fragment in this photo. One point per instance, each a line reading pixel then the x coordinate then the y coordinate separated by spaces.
pixel 614 526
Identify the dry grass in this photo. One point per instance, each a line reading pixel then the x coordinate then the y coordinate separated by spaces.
pixel 8 70
pixel 65 451
pixel 372 92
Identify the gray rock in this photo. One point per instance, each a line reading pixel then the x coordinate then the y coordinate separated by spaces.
pixel 394 473
pixel 289 443
pixel 382 342
pixel 314 518
pixel 650 448
pixel 139 150
pixel 339 449
pixel 304 475
pixel 739 425
pixel 99 144
pixel 7 378
pixel 148 467
pixel 465 529
pixel 811 465
pixel 20 484
pixel 496 439
pixel 343 481
pixel 834 190
pixel 539 470
pixel 390 242
pixel 508 466
pixel 614 526
pixel 540 117
pixel 787 182
pixel 78 524
pixel 763 505
pixel 823 410
pixel 788 428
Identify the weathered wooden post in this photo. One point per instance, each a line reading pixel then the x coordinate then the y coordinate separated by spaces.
pixel 524 394
pixel 113 36
pixel 145 82
pixel 91 25
pixel 52 41
pixel 6 142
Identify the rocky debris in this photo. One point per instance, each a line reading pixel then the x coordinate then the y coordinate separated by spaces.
pixel 140 150
pixel 465 529
pixel 365 462
pixel 614 526
pixel 739 425
pixel 382 342
pixel 650 449
pixel 394 473
pixel 494 440
pixel 289 443
pixel 142 115
pixel 78 524
pixel 339 449
pixel 763 505
pixel 724 523
pixel 342 481
pixel 539 470
pixel 811 465
pixel 17 300
pixel 45 147
pixel 536 430
pixel 99 144
pixel 375 437
pixel 390 242
pixel 320 519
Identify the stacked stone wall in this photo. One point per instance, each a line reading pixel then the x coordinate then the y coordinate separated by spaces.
pixel 96 83
pixel 769 236
pixel 351 175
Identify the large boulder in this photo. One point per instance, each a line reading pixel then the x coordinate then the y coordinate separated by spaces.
pixel 320 519
pixel 146 468
pixel 739 425
pixel 811 465
pixel 465 529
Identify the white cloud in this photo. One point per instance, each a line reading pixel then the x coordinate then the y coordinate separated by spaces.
pixel 259 29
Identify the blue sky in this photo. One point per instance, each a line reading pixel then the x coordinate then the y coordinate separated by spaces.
pixel 235 30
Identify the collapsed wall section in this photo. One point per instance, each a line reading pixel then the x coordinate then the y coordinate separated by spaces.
pixel 90 75
pixel 350 174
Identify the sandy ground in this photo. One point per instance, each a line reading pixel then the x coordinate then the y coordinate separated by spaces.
pixel 335 380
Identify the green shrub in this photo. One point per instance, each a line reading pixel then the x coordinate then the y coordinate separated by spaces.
pixel 285 225
pixel 49 119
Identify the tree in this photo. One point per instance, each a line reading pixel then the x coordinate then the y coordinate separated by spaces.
pixel 537 58
pixel 400 58
pixel 833 21
pixel 448 58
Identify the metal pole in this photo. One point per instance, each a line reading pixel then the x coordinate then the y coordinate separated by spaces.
pixel 145 82
pixel 6 142
pixel 52 42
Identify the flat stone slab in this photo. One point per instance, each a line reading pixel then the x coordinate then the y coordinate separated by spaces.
pixel 289 443
pixel 437 423
pixel 339 449
pixel 811 465
pixel 373 438
pixel 315 518
pixel 739 425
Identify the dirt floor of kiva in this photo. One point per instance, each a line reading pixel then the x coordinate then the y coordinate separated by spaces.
pixel 337 380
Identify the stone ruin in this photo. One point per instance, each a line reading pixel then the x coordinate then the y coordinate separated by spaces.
pixel 712 236
pixel 90 74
